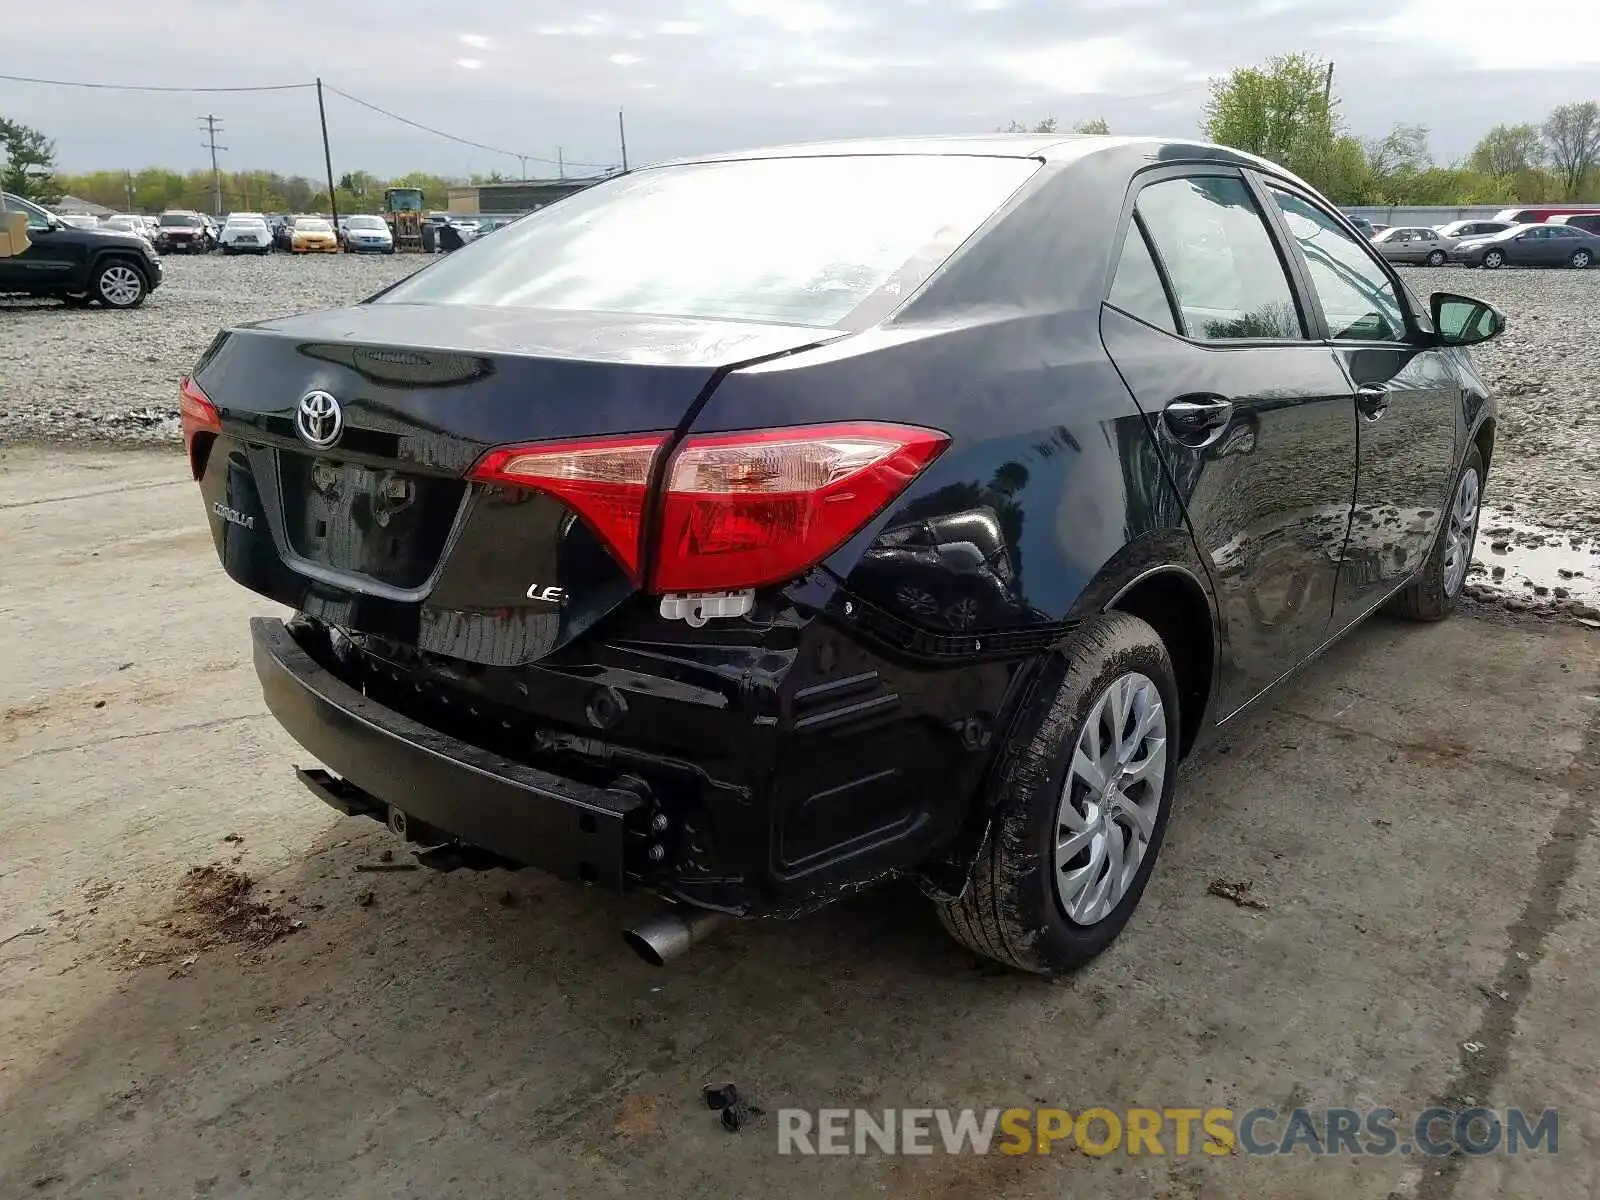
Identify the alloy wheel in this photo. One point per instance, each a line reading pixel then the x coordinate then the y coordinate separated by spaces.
pixel 120 286
pixel 1582 259
pixel 1461 532
pixel 1111 798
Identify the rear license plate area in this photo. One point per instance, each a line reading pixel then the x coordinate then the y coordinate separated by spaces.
pixel 387 524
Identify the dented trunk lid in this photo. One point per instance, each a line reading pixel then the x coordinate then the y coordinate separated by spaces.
pixel 379 530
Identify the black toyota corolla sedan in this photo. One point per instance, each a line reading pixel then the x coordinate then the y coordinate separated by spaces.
pixel 754 528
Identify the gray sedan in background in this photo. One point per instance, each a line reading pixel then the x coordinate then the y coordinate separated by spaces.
pixel 1414 244
pixel 1530 246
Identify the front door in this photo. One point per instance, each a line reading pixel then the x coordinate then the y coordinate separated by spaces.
pixel 1408 400
pixel 41 264
pixel 1255 419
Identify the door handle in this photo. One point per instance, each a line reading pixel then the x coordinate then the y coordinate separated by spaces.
pixel 1197 421
pixel 1372 400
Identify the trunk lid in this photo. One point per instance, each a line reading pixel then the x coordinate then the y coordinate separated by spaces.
pixel 379 529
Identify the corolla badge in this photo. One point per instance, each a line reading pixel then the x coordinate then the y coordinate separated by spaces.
pixel 319 420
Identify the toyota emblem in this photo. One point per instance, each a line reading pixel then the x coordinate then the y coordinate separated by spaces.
pixel 319 420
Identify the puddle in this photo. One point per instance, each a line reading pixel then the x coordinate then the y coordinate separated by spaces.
pixel 1541 566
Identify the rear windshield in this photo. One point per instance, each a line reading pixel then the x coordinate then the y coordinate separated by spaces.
pixel 179 219
pixel 800 241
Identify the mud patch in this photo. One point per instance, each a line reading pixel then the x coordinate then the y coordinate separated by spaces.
pixel 214 908
pixel 1527 567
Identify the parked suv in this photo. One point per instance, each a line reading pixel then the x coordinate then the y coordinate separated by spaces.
pixel 756 528
pixel 47 257
pixel 188 232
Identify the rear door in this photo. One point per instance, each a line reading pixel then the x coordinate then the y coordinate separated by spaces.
pixel 1254 416
pixel 1408 398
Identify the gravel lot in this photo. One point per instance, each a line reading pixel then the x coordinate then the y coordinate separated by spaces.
pixel 113 376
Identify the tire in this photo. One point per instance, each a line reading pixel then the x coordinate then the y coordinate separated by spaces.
pixel 227 252
pixel 81 300
pixel 1494 260
pixel 1436 258
pixel 1013 909
pixel 1582 260
pixel 1433 594
pixel 117 283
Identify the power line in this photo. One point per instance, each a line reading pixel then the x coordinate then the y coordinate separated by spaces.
pixel 394 116
pixel 145 87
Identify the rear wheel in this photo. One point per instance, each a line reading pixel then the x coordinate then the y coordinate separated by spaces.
pixel 1582 259
pixel 1081 810
pixel 1433 594
pixel 1494 260
pixel 119 284
pixel 1436 258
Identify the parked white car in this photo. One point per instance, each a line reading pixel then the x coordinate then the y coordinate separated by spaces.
pixel 367 234
pixel 130 223
pixel 246 233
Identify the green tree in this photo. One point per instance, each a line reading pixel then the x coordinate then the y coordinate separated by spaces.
pixel 1048 125
pixel 30 160
pixel 1092 125
pixel 1508 150
pixel 1573 134
pixel 1284 111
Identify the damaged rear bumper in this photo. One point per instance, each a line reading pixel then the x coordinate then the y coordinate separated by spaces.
pixel 388 761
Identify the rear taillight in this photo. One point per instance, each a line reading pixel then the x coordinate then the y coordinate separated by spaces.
pixel 198 416
pixel 739 510
pixel 746 509
pixel 604 481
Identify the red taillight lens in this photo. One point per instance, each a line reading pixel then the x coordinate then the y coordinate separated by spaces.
pixel 740 509
pixel 746 509
pixel 603 481
pixel 197 415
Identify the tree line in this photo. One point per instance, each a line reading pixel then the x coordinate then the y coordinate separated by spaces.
pixel 1284 110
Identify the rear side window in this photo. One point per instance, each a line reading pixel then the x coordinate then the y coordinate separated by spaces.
pixel 1137 289
pixel 1356 296
pixel 1226 275
pixel 800 241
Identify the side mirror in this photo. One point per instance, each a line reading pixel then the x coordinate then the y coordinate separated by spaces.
pixel 1463 321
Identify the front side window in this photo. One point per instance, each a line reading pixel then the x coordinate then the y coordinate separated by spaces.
pixel 1225 272
pixel 803 240
pixel 37 217
pixel 1357 298
pixel 1137 289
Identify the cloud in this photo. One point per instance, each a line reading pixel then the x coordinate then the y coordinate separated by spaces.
pixel 703 75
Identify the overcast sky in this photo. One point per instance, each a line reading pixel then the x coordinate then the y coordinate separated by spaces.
pixel 530 76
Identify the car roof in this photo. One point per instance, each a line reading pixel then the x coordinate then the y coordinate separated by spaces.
pixel 1055 148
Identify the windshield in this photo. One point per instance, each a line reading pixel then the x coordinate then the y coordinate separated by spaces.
pixel 180 220
pixel 365 223
pixel 800 241
pixel 313 225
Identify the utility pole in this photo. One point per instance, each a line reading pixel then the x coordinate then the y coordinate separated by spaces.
pixel 212 128
pixel 622 136
pixel 523 159
pixel 327 157
pixel 127 180
pixel 1327 97
pixel 561 163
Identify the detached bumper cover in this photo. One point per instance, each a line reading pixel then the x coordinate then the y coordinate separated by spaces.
pixel 571 829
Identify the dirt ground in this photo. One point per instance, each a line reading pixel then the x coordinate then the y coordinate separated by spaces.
pixel 1416 813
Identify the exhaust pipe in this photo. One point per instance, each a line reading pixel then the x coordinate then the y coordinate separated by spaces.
pixel 669 934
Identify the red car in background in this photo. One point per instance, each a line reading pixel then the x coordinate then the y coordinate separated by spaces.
pixel 1535 216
